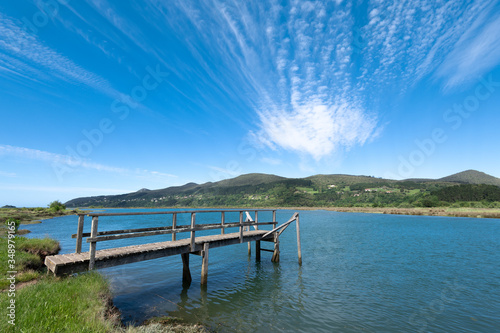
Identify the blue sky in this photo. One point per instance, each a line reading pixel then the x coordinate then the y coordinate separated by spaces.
pixel 106 97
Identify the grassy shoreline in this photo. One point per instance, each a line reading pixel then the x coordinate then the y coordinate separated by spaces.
pixel 34 215
pixel 424 211
pixel 79 303
pixel 435 211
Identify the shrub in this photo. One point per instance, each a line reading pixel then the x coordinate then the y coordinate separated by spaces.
pixel 10 222
pixel 57 206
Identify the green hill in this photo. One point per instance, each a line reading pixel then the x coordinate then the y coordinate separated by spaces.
pixel 472 177
pixel 249 179
pixel 259 190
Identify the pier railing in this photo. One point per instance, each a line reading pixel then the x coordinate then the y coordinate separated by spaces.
pixel 244 223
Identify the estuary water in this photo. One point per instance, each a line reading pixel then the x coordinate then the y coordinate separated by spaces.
pixel 360 273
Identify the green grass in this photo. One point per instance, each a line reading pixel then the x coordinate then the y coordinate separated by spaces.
pixel 33 215
pixel 24 261
pixel 74 304
pixel 40 246
pixel 306 189
pixel 79 303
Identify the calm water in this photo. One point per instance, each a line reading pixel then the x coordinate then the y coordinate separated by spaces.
pixel 360 273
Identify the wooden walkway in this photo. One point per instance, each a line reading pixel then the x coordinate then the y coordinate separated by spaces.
pixel 81 261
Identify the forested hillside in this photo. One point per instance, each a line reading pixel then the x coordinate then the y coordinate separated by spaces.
pixel 261 190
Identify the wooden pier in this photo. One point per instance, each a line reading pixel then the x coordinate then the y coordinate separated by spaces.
pixel 198 245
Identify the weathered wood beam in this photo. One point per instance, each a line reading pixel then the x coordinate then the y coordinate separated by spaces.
pixel 241 227
pixel 256 220
pixel 299 251
pixel 93 245
pixel 79 234
pixel 274 219
pixel 193 224
pixel 179 228
pixel 276 252
pixel 130 254
pixel 165 230
pixel 171 212
pixel 222 221
pixel 204 264
pixel 174 226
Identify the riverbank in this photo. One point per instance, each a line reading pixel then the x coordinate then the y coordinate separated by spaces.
pixel 430 211
pixel 38 302
pixel 34 215
pixel 435 211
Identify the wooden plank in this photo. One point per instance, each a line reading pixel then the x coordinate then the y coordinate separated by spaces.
pixel 93 245
pixel 135 253
pixel 204 264
pixel 193 224
pixel 267 250
pixel 144 232
pixel 123 231
pixel 79 234
pixel 174 225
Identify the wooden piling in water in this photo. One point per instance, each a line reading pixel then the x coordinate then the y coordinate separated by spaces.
pixel 257 250
pixel 276 253
pixel 186 273
pixel 204 264
pixel 299 251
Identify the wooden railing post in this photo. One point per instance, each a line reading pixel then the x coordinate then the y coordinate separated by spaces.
pixel 276 253
pixel 93 245
pixel 79 233
pixel 299 251
pixel 222 221
pixel 274 219
pixel 241 226
pixel 193 224
pixel 204 264
pixel 174 225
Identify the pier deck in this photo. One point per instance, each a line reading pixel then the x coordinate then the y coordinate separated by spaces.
pixel 79 261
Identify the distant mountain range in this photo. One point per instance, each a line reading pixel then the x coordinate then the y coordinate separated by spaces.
pixel 267 190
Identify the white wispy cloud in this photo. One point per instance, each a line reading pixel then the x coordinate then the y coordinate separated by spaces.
pixel 312 71
pixel 408 41
pixel 34 59
pixel 477 52
pixel 75 163
pixel 316 129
